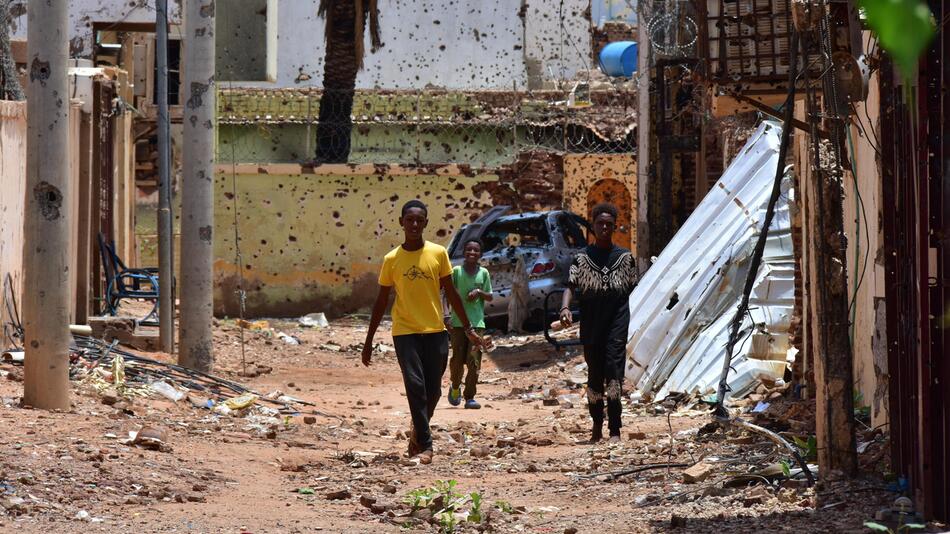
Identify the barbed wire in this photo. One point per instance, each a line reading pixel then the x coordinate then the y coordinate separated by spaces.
pixel 482 129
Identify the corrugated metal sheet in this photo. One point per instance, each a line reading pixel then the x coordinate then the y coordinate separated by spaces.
pixel 681 310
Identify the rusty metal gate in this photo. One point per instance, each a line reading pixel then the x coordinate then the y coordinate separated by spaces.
pixel 916 194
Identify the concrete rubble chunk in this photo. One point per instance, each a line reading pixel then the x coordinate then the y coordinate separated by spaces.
pixel 698 473
pixel 339 495
pixel 480 451
pixel 756 495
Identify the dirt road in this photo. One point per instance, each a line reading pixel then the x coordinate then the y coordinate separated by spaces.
pixel 346 471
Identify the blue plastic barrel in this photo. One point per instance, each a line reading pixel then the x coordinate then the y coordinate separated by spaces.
pixel 619 58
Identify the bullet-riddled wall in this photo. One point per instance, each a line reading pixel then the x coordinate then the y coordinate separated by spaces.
pixel 312 239
pixel 590 179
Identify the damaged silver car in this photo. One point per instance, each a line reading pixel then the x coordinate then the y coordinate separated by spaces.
pixel 546 241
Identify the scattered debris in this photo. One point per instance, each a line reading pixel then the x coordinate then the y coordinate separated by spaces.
pixel 148 437
pixel 697 473
pixel 314 320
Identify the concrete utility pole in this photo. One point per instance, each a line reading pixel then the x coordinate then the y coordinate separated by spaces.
pixel 166 263
pixel 46 225
pixel 643 142
pixel 197 209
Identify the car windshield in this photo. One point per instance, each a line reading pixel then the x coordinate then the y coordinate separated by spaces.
pixel 528 232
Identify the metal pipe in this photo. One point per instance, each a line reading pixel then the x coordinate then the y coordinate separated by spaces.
pixel 166 265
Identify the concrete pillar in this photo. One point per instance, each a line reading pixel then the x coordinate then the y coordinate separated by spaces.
pixel 197 207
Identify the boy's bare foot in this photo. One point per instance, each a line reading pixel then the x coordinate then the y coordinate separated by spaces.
pixel 615 438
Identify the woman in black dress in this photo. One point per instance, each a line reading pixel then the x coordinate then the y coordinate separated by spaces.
pixel 601 278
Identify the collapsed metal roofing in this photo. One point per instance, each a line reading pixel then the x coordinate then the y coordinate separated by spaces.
pixel 681 310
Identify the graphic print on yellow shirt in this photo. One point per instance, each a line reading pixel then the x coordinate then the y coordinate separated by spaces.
pixel 415 275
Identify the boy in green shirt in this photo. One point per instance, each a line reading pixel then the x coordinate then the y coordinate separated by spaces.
pixel 474 286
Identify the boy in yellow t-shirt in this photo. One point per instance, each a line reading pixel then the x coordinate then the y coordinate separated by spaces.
pixel 418 271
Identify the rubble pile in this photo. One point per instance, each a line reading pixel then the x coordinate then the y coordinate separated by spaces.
pixel 182 455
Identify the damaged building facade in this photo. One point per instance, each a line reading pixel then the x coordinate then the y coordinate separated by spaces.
pixel 471 105
pixel 861 302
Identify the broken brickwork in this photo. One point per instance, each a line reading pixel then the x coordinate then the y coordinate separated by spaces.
pixel 611 32
pixel 534 182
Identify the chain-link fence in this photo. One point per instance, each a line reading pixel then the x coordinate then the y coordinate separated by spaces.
pixel 483 129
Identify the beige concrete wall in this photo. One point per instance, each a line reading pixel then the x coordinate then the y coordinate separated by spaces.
pixel 313 240
pixel 865 260
pixel 587 173
pixel 864 233
pixel 12 183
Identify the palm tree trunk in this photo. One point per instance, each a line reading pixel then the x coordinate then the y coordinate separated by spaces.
pixel 342 62
pixel 9 82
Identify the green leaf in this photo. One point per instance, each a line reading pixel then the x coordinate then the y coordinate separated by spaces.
pixel 876 526
pixel 786 469
pixel 915 526
pixel 305 491
pixel 904 27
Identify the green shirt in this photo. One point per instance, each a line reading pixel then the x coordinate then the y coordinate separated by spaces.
pixel 465 283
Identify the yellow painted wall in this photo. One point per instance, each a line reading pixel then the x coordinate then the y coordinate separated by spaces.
pixel 582 171
pixel 313 240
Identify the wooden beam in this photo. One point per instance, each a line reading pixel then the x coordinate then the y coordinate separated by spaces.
pixel 827 304
pixel 757 105
pixel 18 51
pixel 85 237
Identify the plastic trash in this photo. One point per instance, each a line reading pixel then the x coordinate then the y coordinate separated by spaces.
pixel 254 325
pixel 13 356
pixel 287 338
pixel 118 372
pixel 569 398
pixel 240 402
pixel 167 391
pixel 314 320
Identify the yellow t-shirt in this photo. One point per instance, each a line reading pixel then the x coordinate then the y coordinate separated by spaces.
pixel 415 277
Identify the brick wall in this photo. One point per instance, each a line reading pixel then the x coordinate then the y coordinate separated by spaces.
pixel 611 32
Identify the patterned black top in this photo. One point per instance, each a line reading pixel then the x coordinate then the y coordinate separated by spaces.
pixel 602 280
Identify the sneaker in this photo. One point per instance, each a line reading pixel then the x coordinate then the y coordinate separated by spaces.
pixel 472 404
pixel 455 396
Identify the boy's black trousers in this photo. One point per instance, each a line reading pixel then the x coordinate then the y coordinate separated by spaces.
pixel 422 360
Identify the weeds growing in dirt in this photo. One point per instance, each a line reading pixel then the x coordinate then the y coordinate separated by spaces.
pixel 904 527
pixel 449 507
